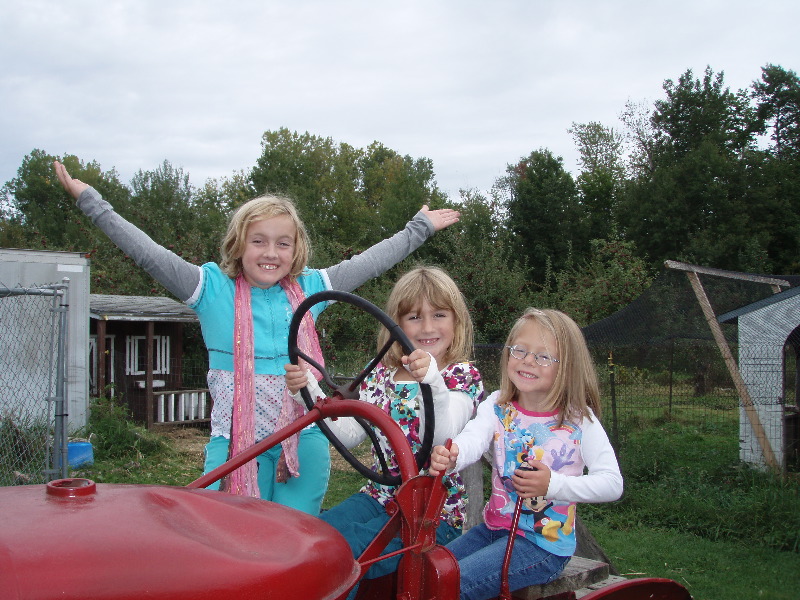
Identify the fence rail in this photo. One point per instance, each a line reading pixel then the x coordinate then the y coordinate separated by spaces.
pixel 182 406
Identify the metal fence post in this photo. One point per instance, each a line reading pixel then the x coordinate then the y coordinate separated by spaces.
pixel 59 456
pixel 612 385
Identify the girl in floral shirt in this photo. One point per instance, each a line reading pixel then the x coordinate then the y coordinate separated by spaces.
pixel 430 310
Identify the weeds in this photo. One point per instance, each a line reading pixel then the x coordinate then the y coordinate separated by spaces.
pixel 114 435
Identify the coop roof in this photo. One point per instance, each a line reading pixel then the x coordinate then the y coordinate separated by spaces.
pixel 138 308
pixel 732 316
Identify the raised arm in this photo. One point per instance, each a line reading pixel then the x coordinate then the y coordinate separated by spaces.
pixel 178 276
pixel 349 274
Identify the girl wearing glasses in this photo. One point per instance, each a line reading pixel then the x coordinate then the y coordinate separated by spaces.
pixel 544 424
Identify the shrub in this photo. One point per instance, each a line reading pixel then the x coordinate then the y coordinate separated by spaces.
pixel 115 435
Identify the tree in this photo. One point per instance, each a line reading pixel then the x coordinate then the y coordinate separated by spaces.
pixel 397 186
pixel 483 259
pixel 696 111
pixel 612 278
pixel 348 197
pixel 602 175
pixel 778 97
pixel 544 212
pixel 639 137
pixel 43 214
pixel 694 204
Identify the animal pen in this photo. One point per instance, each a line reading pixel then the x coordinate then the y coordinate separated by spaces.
pixel 719 345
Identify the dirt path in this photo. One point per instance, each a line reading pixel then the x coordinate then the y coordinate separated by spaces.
pixel 187 441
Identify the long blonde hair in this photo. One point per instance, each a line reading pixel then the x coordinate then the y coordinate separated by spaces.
pixel 259 209
pixel 576 388
pixel 437 287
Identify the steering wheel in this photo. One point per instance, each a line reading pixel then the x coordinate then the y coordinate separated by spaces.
pixel 351 391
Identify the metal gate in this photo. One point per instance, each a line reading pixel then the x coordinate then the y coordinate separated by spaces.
pixel 33 390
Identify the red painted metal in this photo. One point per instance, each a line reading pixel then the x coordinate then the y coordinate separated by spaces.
pixel 325 408
pixel 75 540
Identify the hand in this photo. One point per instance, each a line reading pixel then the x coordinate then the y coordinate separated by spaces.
pixel 442 459
pixel 529 484
pixel 441 218
pixel 73 186
pixel 296 378
pixel 417 362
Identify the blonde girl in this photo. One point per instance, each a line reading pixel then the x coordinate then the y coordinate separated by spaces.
pixel 430 309
pixel 250 296
pixel 543 427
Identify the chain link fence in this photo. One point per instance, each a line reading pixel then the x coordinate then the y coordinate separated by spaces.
pixel 33 346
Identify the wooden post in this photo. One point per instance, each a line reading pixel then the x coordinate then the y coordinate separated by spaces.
pixel 472 476
pixel 101 358
pixel 148 370
pixel 733 369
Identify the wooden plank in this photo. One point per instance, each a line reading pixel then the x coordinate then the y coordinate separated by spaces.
pixel 596 586
pixel 680 266
pixel 472 476
pixel 579 573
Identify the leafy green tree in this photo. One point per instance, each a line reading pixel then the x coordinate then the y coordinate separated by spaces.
pixel 397 186
pixel 612 278
pixel 778 97
pixel 483 258
pixel 321 178
pixel 703 111
pixel 161 203
pixel 348 197
pixel 45 216
pixel 544 212
pixel 602 175
pixel 640 139
pixel 695 203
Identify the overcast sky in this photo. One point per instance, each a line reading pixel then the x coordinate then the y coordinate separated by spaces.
pixel 471 85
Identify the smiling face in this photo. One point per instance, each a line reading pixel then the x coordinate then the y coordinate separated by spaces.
pixel 268 251
pixel 532 381
pixel 431 329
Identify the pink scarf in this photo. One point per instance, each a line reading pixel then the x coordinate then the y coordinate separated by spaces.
pixel 244 480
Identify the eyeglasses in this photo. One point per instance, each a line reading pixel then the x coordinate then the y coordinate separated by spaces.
pixel 543 360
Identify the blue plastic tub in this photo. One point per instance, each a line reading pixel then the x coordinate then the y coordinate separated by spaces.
pixel 79 454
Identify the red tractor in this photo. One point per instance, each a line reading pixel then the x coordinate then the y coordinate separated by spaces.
pixel 73 539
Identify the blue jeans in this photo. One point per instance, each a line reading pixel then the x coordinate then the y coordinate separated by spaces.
pixel 305 493
pixel 360 517
pixel 480 552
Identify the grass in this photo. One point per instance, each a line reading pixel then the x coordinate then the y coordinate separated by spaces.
pixel 710 570
pixel 690 512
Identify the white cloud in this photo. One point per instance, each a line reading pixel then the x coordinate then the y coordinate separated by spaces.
pixel 471 85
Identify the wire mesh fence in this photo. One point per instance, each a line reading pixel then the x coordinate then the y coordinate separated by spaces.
pixel 33 443
pixel 656 358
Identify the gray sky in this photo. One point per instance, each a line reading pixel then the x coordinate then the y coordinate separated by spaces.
pixel 471 85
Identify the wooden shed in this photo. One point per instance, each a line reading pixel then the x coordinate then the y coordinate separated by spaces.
pixel 136 351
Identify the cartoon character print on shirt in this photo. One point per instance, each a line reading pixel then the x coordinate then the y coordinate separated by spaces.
pixel 537 441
